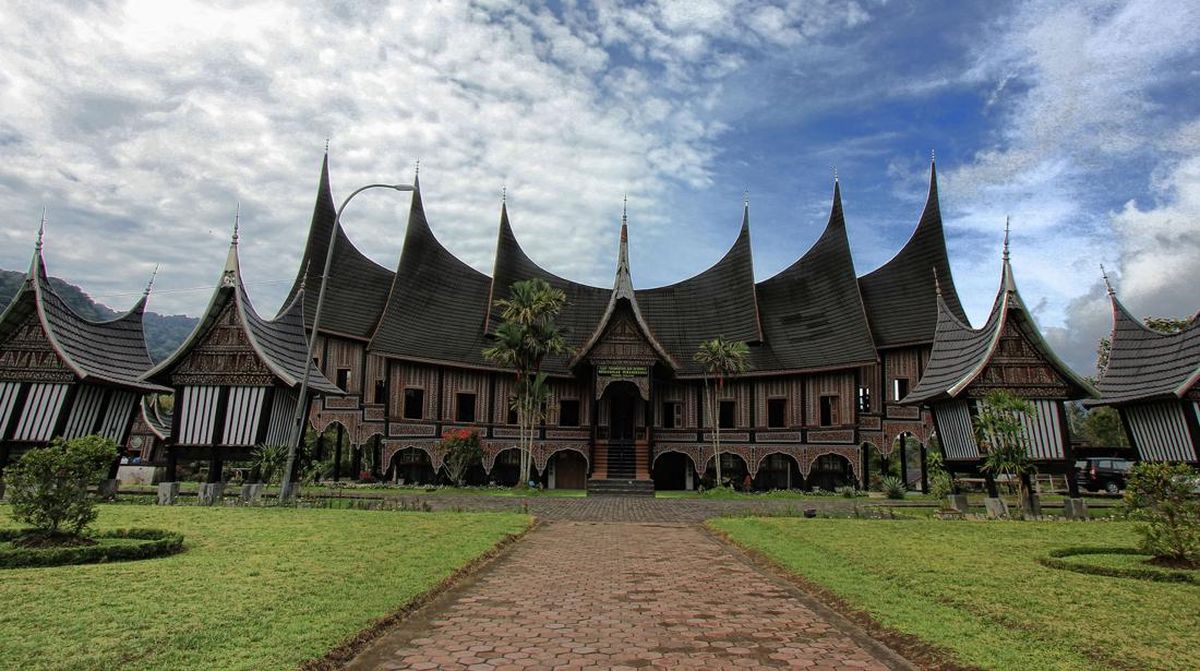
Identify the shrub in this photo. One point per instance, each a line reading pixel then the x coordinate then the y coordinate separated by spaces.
pixel 941 484
pixel 893 487
pixel 156 544
pixel 1160 496
pixel 48 486
pixel 269 461
pixel 462 450
pixel 846 491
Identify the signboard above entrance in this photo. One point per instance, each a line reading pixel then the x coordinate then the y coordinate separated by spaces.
pixel 621 370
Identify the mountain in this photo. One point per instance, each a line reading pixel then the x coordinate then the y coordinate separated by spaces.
pixel 163 332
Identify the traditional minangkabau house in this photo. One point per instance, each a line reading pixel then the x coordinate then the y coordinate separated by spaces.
pixel 831 355
pixel 65 376
pixel 1153 380
pixel 151 429
pixel 236 377
pixel 1007 353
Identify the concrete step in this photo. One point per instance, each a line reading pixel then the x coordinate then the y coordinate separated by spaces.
pixel 620 487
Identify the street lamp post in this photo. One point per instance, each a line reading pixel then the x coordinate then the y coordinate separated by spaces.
pixel 285 493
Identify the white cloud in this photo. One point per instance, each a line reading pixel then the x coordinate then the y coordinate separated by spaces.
pixel 140 124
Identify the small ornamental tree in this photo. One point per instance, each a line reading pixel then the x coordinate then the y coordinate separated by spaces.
pixel 720 358
pixel 1000 431
pixel 48 486
pixel 462 451
pixel 1160 496
pixel 269 461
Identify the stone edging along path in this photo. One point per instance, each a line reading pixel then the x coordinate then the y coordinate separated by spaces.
pixel 577 595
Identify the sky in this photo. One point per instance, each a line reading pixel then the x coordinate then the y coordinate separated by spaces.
pixel 141 125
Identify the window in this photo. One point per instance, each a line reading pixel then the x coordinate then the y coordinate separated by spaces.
pixel 464 407
pixel 864 399
pixel 380 391
pixel 829 410
pixel 899 388
pixel 776 412
pixel 672 415
pixel 568 412
pixel 414 403
pixel 343 378
pixel 725 419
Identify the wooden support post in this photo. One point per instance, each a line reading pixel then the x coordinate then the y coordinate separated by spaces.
pixel 214 465
pixel 172 465
pixel 320 448
pixel 990 481
pixel 904 459
pixel 924 469
pixel 337 455
pixel 866 468
pixel 356 463
pixel 377 455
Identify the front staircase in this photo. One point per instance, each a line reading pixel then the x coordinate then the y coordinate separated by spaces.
pixel 621 468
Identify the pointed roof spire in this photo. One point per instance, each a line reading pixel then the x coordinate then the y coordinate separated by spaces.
pixel 504 195
pixel 150 284
pixel 1107 285
pixel 326 145
pixel 237 222
pixel 1006 232
pixel 746 197
pixel 932 155
pixel 417 174
pixel 41 230
pixel 937 284
pixel 835 174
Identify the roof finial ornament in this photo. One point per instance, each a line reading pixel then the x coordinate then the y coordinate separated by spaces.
pixel 625 210
pixel 746 197
pixel 41 229
pixel 150 284
pixel 237 221
pixel 504 194
pixel 1107 285
pixel 1006 231
pixel 932 155
pixel 835 175
pixel 937 284
pixel 327 144
pixel 417 170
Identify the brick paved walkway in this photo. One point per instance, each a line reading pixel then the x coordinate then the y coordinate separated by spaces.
pixel 621 596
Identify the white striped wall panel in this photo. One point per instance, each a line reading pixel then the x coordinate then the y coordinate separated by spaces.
pixel 85 411
pixel 197 415
pixel 279 430
pixel 8 400
pixel 1160 431
pixel 40 414
pixel 242 413
pixel 1043 431
pixel 119 416
pixel 956 431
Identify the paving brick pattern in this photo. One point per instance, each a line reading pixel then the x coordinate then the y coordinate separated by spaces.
pixel 619 596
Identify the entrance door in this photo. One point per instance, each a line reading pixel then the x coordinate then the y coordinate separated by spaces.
pixel 623 416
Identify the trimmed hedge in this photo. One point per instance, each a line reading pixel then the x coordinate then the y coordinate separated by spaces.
pixel 156 543
pixel 1056 559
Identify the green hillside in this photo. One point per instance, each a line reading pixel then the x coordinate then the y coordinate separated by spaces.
pixel 163 332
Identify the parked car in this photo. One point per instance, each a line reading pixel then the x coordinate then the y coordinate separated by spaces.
pixel 1105 473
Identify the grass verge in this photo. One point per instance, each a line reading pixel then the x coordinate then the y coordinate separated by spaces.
pixel 256 588
pixel 973 595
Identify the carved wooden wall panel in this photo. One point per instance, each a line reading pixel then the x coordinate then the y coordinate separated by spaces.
pixel 27 356
pixel 826 384
pixel 791 388
pixel 1019 367
pixel 223 357
pixel 414 375
pixel 462 381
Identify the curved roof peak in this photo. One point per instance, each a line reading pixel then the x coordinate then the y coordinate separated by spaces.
pixel 899 294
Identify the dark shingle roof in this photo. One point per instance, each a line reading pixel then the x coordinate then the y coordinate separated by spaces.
pixel 585 304
pixel 1144 364
pixel 720 301
pixel 961 353
pixel 812 313
pixel 280 343
pixel 435 310
pixel 357 289
pixel 111 352
pixel 158 421
pixel 899 295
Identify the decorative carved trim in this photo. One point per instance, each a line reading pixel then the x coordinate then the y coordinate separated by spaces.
pixel 903 411
pixel 778 436
pixel 831 436
pixel 870 422
pixel 405 429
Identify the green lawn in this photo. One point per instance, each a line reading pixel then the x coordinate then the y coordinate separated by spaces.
pixel 256 588
pixel 975 590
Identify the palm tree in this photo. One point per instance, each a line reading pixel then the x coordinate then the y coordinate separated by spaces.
pixel 1000 432
pixel 720 358
pixel 523 340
